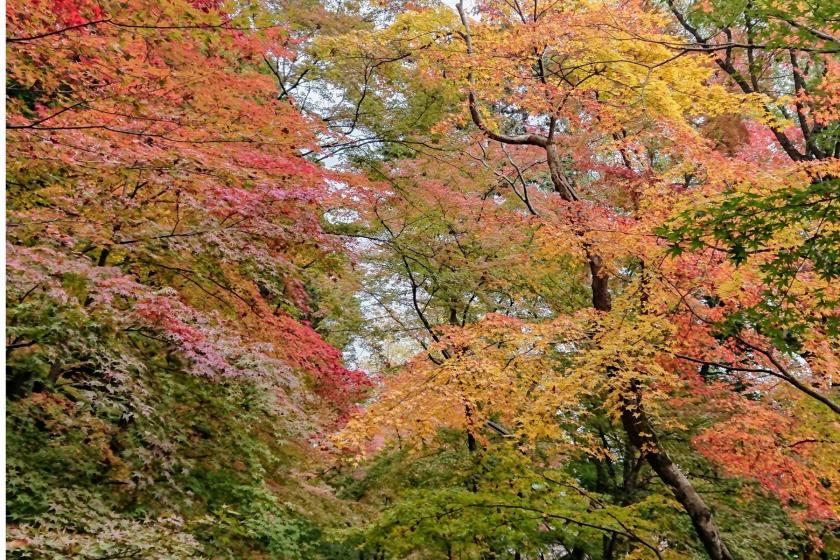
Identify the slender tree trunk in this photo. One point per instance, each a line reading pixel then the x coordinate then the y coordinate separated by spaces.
pixel 638 429
pixel 561 183
pixel 601 298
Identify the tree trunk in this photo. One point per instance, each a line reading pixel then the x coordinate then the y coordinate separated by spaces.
pixel 641 434
pixel 601 299
pixel 561 183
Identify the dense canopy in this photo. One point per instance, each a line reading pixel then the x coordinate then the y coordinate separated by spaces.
pixel 376 279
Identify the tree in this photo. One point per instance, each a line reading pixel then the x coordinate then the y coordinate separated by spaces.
pixel 603 92
pixel 173 305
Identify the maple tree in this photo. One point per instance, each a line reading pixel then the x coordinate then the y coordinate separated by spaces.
pixel 627 125
pixel 167 270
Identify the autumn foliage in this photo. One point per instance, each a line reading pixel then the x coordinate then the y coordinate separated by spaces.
pixel 161 221
pixel 408 280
